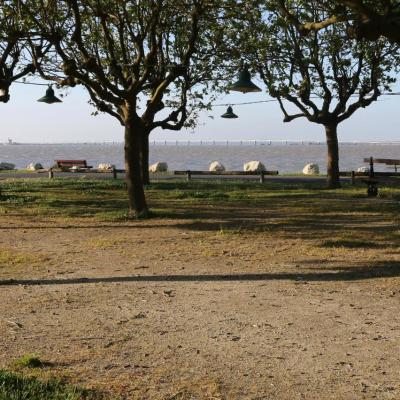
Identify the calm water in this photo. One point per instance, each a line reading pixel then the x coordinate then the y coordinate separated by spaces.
pixel 290 157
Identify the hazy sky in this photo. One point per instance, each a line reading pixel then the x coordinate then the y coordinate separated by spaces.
pixel 23 119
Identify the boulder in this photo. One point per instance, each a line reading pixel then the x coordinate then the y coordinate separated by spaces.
pixel 158 167
pixel 105 166
pixel 216 166
pixel 254 166
pixel 7 166
pixel 363 169
pixel 34 166
pixel 311 169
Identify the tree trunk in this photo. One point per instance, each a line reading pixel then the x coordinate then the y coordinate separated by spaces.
pixel 144 158
pixel 134 132
pixel 333 156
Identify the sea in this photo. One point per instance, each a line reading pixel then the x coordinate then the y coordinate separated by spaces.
pixel 284 156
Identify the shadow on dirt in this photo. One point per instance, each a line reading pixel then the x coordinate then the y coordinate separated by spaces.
pixel 384 269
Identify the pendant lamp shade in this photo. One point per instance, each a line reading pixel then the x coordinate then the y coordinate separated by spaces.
pixel 50 97
pixel 229 113
pixel 244 84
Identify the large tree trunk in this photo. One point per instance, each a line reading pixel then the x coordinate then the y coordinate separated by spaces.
pixel 134 132
pixel 144 158
pixel 333 156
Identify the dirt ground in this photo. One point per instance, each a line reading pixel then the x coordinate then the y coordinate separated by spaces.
pixel 200 309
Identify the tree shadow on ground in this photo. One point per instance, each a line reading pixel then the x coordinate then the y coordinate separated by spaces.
pixel 383 269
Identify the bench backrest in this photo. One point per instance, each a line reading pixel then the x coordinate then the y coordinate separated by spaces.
pixel 70 163
pixel 387 161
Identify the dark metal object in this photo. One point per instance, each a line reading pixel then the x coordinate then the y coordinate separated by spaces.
pixel 244 84
pixel 372 189
pixel 229 113
pixel 50 97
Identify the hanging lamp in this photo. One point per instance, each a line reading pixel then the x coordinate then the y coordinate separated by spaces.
pixel 229 113
pixel 244 84
pixel 50 97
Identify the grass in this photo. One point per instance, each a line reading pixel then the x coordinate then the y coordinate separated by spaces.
pixel 13 258
pixel 14 386
pixel 237 207
pixel 106 200
pixel 28 361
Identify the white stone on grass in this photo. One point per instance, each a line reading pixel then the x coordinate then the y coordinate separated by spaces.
pixel 311 169
pixel 34 166
pixel 105 166
pixel 363 169
pixel 7 166
pixel 254 166
pixel 158 167
pixel 216 166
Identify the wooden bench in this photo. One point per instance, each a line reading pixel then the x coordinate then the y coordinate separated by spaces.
pixel 386 161
pixel 261 174
pixel 72 165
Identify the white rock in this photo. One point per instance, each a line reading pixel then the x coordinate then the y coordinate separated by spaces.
pixel 311 169
pixel 252 166
pixel 363 169
pixel 105 166
pixel 34 166
pixel 158 167
pixel 7 166
pixel 216 166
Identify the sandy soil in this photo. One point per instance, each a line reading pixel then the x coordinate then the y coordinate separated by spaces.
pixel 195 309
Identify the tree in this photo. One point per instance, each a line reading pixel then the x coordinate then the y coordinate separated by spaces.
pixel 369 19
pixel 326 76
pixel 136 59
pixel 15 59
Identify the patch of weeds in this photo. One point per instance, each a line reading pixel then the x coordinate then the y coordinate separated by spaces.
pixel 18 200
pixel 390 193
pixel 203 194
pixel 11 258
pixel 28 361
pixel 112 216
pixel 19 387
pixel 107 242
pixel 163 213
pixel 240 196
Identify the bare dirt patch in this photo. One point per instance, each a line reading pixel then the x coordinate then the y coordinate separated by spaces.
pixel 246 303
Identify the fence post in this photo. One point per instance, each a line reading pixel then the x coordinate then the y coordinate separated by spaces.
pixel 371 167
pixel 188 175
pixel 262 177
pixel 353 178
pixel 114 172
pixel 51 173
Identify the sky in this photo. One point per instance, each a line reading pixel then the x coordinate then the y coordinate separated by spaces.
pixel 25 120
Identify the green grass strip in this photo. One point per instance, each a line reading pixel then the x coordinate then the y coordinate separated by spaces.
pixel 18 387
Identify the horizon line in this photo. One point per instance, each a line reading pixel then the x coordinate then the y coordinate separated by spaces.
pixel 207 141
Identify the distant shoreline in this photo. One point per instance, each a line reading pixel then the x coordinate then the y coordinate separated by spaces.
pixel 205 143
